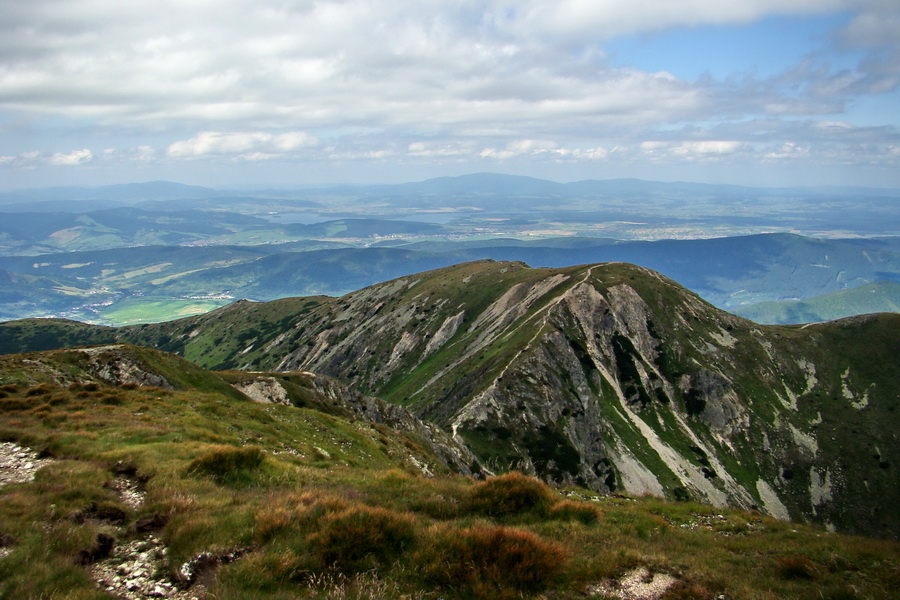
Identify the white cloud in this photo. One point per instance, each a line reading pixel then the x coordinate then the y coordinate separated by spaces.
pixel 440 150
pixel 788 150
pixel 706 150
pixel 425 80
pixel 876 26
pixel 76 157
pixel 254 146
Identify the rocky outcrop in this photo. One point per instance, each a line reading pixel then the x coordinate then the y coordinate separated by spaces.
pixel 112 365
pixel 329 395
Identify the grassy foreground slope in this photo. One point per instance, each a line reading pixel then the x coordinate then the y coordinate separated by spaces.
pixel 276 501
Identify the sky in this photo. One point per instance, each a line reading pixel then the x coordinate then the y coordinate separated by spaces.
pixel 230 92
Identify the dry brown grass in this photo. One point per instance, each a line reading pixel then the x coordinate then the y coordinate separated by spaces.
pixel 569 510
pixel 491 561
pixel 362 537
pixel 510 494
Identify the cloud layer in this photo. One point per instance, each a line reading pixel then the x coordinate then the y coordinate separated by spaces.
pixel 474 82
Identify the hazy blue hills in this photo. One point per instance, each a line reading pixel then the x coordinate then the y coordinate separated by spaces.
pixel 882 296
pixel 706 236
pixel 33 233
pixel 82 198
pixel 729 272
pixel 362 228
pixel 36 233
pixel 328 272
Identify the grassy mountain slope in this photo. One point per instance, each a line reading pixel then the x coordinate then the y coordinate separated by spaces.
pixel 607 376
pixel 882 296
pixel 148 462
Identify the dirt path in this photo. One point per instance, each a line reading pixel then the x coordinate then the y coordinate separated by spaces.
pixel 19 464
pixel 133 569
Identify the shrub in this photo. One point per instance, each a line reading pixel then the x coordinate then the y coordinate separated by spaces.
pixel 567 510
pixel 491 561
pixel 357 537
pixel 224 462
pixel 509 494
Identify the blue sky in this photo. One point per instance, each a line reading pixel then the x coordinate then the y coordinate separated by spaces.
pixel 756 92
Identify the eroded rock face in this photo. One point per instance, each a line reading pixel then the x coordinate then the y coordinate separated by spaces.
pixel 113 366
pixel 333 397
pixel 265 390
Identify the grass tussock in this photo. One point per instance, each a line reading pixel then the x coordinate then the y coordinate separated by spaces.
pixel 491 561
pixel 569 510
pixel 362 537
pixel 510 494
pixel 295 514
pixel 224 463
pixel 796 567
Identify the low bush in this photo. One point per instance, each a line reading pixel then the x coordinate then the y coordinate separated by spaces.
pixel 362 537
pixel 225 462
pixel 491 561
pixel 510 494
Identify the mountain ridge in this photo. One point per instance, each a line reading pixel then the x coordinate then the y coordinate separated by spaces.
pixel 608 376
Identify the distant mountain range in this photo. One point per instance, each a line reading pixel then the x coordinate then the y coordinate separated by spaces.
pixel 473 184
pixel 157 250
